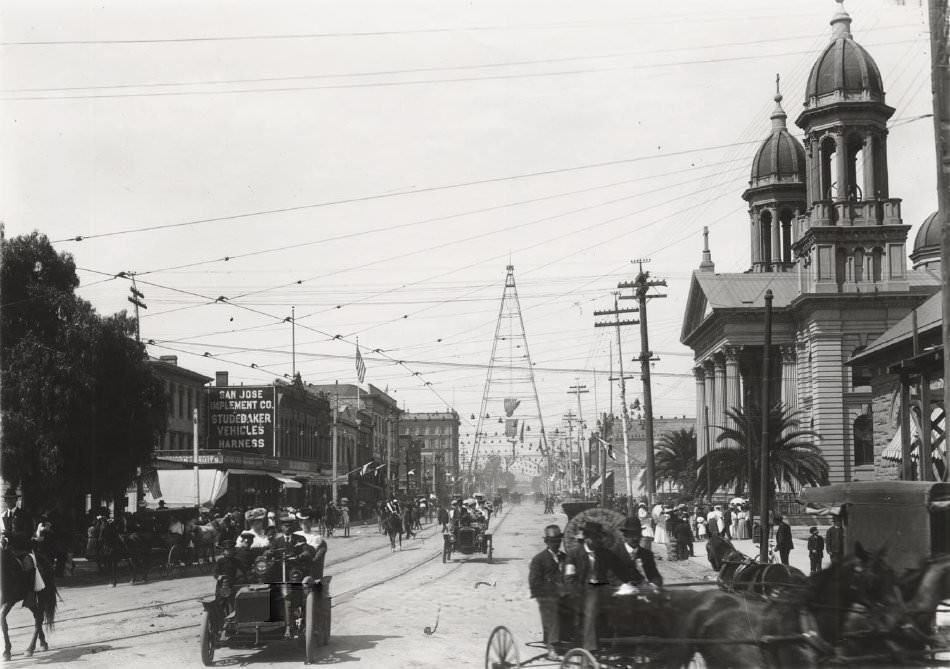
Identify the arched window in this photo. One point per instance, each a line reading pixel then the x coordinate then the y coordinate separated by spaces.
pixel 856 157
pixel 841 266
pixel 863 438
pixel 785 216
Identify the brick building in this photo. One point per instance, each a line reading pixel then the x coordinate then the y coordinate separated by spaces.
pixel 437 436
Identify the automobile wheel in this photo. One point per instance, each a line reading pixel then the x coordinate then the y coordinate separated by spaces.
pixel 208 633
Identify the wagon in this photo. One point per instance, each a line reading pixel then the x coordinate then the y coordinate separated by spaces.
pixel 634 631
pixel 282 604
pixel 467 540
pixel 912 518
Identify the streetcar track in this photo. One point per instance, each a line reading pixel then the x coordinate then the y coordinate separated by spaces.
pixel 340 599
pixel 197 598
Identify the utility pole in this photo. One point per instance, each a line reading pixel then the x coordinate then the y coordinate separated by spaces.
pixel 617 323
pixel 764 443
pixel 579 390
pixel 137 298
pixel 569 418
pixel 641 287
pixel 336 410
pixel 940 78
pixel 293 350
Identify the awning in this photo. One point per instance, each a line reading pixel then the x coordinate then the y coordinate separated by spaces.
pixel 286 480
pixel 178 486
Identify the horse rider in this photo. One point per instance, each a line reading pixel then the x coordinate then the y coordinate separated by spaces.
pixel 311 544
pixel 255 520
pixel 546 582
pixel 14 520
pixel 587 569
pixel 392 506
pixel 640 561
pixel 22 551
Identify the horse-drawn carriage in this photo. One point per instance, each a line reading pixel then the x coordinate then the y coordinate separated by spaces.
pixel 283 602
pixel 857 612
pixel 468 540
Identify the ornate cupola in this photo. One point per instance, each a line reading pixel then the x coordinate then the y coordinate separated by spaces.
pixel 926 253
pixel 776 194
pixel 852 238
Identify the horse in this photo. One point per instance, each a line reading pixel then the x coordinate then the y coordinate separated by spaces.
pixel 329 520
pixel 923 590
pixel 720 551
pixel 113 546
pixel 408 522
pixel 18 582
pixel 844 613
pixel 392 524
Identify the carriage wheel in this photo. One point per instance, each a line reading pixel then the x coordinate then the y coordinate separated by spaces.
pixel 502 651
pixel 310 633
pixel 579 658
pixel 176 555
pixel 208 634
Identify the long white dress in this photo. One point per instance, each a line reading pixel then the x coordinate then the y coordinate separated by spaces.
pixel 661 536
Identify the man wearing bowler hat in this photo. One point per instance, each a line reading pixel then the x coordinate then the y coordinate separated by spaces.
pixel 547 585
pixel 587 569
pixel 638 560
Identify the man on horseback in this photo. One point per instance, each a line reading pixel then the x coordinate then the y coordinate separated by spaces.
pixel 392 506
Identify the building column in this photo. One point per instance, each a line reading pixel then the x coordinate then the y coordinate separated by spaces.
pixel 733 390
pixel 701 444
pixel 789 378
pixel 776 230
pixel 841 157
pixel 756 246
pixel 870 178
pixel 720 362
pixel 709 380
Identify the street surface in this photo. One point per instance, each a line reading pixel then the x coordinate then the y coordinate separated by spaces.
pixel 382 602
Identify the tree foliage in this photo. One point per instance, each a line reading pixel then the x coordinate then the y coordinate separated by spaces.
pixel 794 456
pixel 675 460
pixel 81 409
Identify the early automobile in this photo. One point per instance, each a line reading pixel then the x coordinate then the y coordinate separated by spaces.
pixel 283 602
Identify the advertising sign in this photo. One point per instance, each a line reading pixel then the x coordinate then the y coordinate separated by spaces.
pixel 242 419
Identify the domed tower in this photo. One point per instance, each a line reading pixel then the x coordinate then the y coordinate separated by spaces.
pixel 776 194
pixel 926 253
pixel 852 239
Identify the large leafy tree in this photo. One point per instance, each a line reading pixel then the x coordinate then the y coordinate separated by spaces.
pixel 794 457
pixel 80 406
pixel 675 460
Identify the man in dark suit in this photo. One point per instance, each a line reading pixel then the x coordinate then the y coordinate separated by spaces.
pixel 783 538
pixel 639 562
pixel 547 583
pixel 587 569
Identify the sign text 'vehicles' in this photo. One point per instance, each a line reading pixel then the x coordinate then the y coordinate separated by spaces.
pixel 241 419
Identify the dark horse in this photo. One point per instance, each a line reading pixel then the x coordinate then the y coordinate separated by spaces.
pixel 18 570
pixel 740 573
pixel 115 545
pixel 843 614
pixel 392 525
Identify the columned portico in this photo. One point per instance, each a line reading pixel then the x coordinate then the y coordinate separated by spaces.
pixel 789 378
pixel 720 362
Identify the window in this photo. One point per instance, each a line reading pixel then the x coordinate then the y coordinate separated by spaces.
pixel 863 433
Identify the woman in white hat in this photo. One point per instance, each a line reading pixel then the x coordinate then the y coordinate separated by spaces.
pixel 255 522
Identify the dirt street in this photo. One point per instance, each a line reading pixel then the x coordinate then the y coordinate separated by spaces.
pixel 382 603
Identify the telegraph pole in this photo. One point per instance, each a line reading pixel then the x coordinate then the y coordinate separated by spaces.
pixel 617 323
pixel 579 390
pixel 641 287
pixel 569 418
pixel 940 78
pixel 137 298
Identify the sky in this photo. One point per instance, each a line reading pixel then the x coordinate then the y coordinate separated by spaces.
pixel 373 167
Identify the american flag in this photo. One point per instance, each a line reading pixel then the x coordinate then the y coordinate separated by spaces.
pixel 360 365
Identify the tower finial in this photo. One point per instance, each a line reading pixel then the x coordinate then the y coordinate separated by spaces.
pixel 841 22
pixel 778 114
pixel 707 264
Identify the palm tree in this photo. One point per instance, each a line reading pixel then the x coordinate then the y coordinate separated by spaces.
pixel 675 460
pixel 794 457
